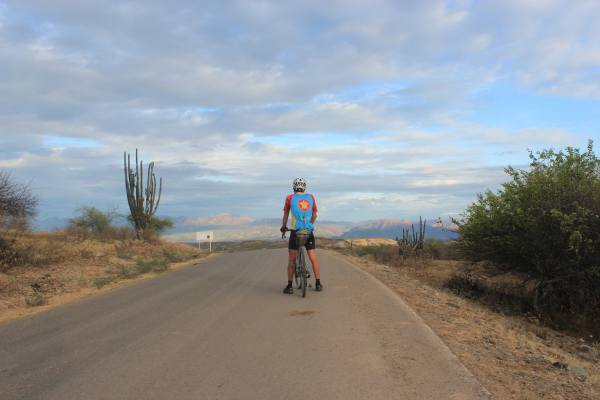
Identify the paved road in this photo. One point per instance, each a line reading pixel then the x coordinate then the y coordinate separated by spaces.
pixel 223 330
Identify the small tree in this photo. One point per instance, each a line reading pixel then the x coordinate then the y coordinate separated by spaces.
pixel 17 207
pixel 545 222
pixel 17 203
pixel 91 222
pixel 159 225
pixel 155 227
pixel 143 201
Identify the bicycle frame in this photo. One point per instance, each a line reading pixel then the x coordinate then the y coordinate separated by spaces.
pixel 301 268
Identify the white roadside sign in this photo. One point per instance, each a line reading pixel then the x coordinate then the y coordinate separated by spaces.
pixel 203 237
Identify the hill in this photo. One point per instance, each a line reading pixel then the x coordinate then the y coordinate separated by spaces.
pixel 230 227
pixel 390 228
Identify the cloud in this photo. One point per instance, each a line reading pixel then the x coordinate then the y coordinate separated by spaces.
pixel 234 99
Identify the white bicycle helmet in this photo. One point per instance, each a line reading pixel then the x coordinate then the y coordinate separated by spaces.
pixel 299 185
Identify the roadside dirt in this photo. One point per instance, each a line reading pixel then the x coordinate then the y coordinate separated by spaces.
pixel 67 270
pixel 513 357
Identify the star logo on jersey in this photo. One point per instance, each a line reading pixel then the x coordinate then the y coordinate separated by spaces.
pixel 304 205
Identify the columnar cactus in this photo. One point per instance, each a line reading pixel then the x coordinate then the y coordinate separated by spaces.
pixel 412 241
pixel 143 202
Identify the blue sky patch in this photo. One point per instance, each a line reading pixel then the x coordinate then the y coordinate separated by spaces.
pixel 69 142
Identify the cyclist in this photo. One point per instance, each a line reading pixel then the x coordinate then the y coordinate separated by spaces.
pixel 303 208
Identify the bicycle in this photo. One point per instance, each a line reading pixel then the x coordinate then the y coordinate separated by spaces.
pixel 301 272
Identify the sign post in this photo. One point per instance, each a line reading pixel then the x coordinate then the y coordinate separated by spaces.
pixel 206 236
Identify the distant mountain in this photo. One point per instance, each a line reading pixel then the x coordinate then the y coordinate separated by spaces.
pixel 390 228
pixel 227 227
pixel 230 227
pixel 217 220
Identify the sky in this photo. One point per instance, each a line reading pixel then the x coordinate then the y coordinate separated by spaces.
pixel 389 109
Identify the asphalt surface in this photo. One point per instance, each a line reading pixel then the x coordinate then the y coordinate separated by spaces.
pixel 223 330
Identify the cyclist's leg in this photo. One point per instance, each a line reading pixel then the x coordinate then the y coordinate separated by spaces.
pixel 311 246
pixel 292 254
pixel 312 255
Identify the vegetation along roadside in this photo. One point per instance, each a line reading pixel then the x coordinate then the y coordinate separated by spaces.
pixel 39 270
pixel 517 295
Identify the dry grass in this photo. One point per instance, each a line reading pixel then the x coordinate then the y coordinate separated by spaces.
pixel 51 265
pixel 508 349
pixel 372 242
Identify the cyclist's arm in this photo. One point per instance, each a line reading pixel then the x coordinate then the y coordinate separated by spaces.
pixel 314 210
pixel 285 218
pixel 286 212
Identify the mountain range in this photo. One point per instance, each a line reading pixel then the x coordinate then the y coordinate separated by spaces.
pixel 229 227
pixel 391 228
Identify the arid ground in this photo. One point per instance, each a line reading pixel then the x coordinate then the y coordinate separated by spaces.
pixel 513 356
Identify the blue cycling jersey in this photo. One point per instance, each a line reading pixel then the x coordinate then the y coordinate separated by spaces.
pixel 302 206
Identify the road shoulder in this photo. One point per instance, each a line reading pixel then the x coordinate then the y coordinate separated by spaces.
pixel 411 328
pixel 510 357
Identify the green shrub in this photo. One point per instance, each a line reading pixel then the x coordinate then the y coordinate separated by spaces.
pixel 91 222
pixel 160 266
pixel 507 295
pixel 102 281
pixel 8 254
pixel 143 266
pixel 442 249
pixel 175 256
pixel 35 299
pixel 159 225
pixel 151 265
pixel 544 222
pixel 154 228
pixel 123 272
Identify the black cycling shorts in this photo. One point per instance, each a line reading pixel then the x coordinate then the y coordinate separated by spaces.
pixel 310 243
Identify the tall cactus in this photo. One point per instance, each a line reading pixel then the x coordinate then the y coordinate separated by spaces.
pixel 143 202
pixel 412 241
